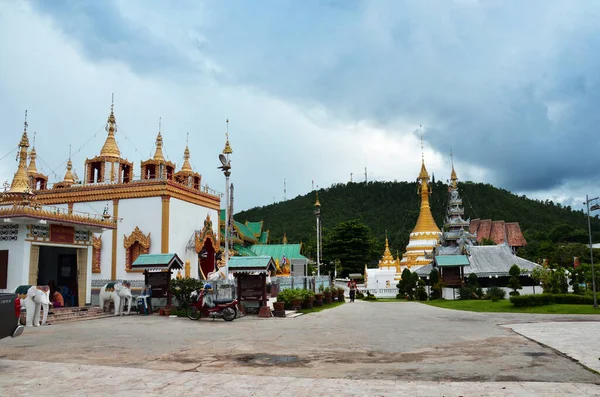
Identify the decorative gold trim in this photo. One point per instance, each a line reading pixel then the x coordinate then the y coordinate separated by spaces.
pixel 96 253
pixel 70 207
pixel 164 238
pixel 139 237
pixel 37 212
pixel 113 268
pixel 187 268
pixel 206 234
pixel 138 189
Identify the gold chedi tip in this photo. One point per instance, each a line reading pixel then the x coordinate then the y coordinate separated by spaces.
pixel 20 182
pixel 32 168
pixel 227 149
pixel 387 259
pixel 110 148
pixel 423 174
pixel 317 203
pixel 186 160
pixel 453 176
pixel 158 154
pixel 69 175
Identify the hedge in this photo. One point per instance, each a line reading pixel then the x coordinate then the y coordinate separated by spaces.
pixel 548 299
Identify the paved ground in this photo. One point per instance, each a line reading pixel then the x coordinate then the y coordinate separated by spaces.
pixel 364 344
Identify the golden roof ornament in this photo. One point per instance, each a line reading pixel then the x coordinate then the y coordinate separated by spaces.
pixel 32 167
pixel 285 240
pixel 110 148
pixel 69 175
pixel 158 155
pixel 387 259
pixel 453 176
pixel 20 182
pixel 317 203
pixel 227 149
pixel 186 157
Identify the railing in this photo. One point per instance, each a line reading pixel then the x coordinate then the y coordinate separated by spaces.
pixel 380 292
pixel 312 283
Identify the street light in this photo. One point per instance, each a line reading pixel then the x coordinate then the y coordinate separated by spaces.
pixel 594 207
pixel 317 213
pixel 226 167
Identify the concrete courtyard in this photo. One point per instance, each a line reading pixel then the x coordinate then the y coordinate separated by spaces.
pixel 363 348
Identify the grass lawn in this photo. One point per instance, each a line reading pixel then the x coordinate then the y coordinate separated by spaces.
pixel 506 306
pixel 318 309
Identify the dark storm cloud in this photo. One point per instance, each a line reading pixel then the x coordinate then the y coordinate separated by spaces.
pixel 510 86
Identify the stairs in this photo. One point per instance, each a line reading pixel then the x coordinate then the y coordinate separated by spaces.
pixel 70 314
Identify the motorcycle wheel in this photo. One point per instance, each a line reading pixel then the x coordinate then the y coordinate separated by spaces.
pixel 229 314
pixel 193 313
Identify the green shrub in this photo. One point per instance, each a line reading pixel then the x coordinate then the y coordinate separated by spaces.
pixel 421 292
pixel 495 294
pixel 547 299
pixel 360 295
pixel 182 288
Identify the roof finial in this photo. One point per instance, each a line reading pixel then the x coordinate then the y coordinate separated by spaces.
pixel 317 203
pixel 453 176
pixel 187 138
pixel 227 149
pixel 25 123
pixel 32 168
pixel 69 175
pixel 110 148
pixel 69 151
pixel 158 155
pixel 34 133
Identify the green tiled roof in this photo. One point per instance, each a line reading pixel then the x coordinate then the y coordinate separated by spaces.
pixel 264 238
pixel 452 260
pixel 244 251
pixel 244 231
pixel 251 263
pixel 255 227
pixel 291 251
pixel 158 260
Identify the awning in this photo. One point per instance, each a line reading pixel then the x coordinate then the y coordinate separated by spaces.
pixel 251 264
pixel 157 262
pixel 451 260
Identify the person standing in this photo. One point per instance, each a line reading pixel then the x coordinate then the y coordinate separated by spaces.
pixel 353 288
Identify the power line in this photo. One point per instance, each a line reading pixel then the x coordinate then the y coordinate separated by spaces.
pixel 8 154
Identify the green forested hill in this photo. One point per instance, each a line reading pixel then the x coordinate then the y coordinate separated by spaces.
pixel 394 207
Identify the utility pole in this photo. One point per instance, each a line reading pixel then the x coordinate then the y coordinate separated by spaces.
pixel 366 180
pixel 284 191
pixel 594 207
pixel 317 213
pixel 351 177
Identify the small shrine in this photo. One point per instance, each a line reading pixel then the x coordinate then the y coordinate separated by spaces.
pixel 158 272
pixel 251 274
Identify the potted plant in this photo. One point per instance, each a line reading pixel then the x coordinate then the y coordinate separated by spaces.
pixel 327 293
pixel 296 300
pixel 309 298
pixel 284 297
pixel 340 292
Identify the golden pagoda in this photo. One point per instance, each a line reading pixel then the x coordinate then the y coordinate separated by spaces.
pixel 426 234
pixel 20 182
pixel 388 260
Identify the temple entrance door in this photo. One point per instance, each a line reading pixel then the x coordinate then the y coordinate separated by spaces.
pixel 57 267
pixel 206 259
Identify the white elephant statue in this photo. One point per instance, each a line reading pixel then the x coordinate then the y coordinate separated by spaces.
pixel 33 298
pixel 118 293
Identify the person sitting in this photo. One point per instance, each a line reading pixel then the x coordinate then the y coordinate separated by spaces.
pixel 208 296
pixel 57 299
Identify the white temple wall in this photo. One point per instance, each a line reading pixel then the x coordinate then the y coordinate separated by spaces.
pixel 184 219
pixel 146 214
pixel 18 260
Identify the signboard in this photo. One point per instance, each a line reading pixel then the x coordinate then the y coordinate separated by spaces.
pixel 62 234
pixel 252 286
pixel 159 282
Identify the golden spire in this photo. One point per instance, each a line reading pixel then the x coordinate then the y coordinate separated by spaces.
pixel 425 223
pixel 284 238
pixel 317 203
pixel 69 175
pixel 453 176
pixel 186 157
pixel 387 259
pixel 32 168
pixel 158 155
pixel 20 182
pixel 227 149
pixel 110 148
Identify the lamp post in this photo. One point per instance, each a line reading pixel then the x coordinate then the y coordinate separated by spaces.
pixel 226 167
pixel 317 213
pixel 594 207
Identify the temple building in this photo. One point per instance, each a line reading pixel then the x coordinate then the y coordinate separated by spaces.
pixel 387 274
pixel 426 234
pixel 40 243
pixel 158 212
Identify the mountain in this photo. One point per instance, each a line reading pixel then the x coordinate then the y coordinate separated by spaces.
pixel 394 207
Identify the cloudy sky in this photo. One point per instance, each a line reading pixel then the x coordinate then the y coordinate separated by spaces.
pixel 314 90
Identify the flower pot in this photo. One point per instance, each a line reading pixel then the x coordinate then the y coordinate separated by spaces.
pixel 296 304
pixel 318 302
pixel 279 306
pixel 307 303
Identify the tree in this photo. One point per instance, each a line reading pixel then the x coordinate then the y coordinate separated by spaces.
pixel 436 283
pixel 352 243
pixel 513 282
pixel 487 241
